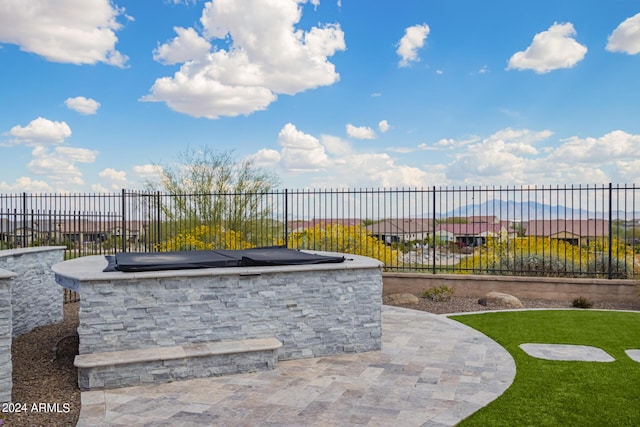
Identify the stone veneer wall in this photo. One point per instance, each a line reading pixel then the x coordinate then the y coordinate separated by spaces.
pixel 36 298
pixel 313 312
pixel 5 335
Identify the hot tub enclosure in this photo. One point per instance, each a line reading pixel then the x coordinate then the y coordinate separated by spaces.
pixel 312 309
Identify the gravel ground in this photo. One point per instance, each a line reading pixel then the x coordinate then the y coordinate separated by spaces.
pixel 38 379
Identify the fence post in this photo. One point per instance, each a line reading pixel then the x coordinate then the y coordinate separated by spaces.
pixel 286 218
pixel 123 232
pixel 158 225
pixel 433 228
pixel 24 221
pixel 610 276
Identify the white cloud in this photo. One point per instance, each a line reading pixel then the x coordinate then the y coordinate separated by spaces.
pixel 409 44
pixel 629 170
pixel 111 180
pixel 41 131
pixel 187 46
pixel 267 56
pixel 266 158
pixel 59 164
pixel 336 146
pixel 113 175
pixel 500 158
pixel 360 132
pixel 550 50
pixel 626 37
pixel 25 184
pixel 301 151
pixel 82 105
pixel 68 31
pixel 383 126
pixel 616 145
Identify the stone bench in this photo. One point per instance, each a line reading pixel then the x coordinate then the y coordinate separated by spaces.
pixel 165 364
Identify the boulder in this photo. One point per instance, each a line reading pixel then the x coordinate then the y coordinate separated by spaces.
pixel 401 299
pixel 501 299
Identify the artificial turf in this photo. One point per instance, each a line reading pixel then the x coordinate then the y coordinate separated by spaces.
pixel 564 393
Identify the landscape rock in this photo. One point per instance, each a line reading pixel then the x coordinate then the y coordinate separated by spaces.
pixel 501 299
pixel 401 299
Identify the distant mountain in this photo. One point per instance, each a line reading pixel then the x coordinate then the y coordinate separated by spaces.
pixel 525 211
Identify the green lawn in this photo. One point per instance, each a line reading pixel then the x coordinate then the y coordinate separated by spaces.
pixel 559 393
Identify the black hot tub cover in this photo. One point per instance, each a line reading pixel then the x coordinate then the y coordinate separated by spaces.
pixel 267 256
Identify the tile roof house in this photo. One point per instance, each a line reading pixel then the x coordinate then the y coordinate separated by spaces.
pixel 401 229
pixel 576 232
pixel 473 234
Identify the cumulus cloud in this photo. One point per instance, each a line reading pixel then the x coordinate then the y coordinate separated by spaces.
pixel 616 145
pixel 82 105
pixel 186 46
pixel 409 44
pixel 67 31
pixel 111 179
pixel 266 158
pixel 550 50
pixel 41 131
pixel 26 184
pixel 59 164
pixel 266 56
pixel 501 157
pixel 360 132
pixel 626 37
pixel 383 126
pixel 301 151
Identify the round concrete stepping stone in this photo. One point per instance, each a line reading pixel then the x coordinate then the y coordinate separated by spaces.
pixel 567 352
pixel 633 354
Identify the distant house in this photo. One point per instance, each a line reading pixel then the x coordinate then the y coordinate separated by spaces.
pixel 576 232
pixel 401 230
pixel 474 234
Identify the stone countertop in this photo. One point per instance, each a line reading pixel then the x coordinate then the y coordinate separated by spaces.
pixel 71 273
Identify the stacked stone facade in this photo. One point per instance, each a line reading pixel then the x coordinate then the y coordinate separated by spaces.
pixel 5 335
pixel 36 298
pixel 313 312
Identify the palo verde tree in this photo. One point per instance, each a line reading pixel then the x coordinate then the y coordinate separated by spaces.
pixel 212 188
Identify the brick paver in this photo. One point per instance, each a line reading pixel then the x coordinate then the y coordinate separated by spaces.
pixel 431 371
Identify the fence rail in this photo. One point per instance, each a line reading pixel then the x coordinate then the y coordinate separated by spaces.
pixel 573 231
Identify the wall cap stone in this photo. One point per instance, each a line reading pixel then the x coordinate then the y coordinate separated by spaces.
pixel 35 249
pixel 71 273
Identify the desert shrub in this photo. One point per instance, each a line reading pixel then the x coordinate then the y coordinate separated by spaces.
pixel 582 302
pixel 620 267
pixel 440 293
pixel 534 264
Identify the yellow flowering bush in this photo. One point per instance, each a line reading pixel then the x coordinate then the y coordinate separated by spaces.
pixel 544 256
pixel 204 237
pixel 346 239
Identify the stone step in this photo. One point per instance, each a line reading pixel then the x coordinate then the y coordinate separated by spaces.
pixel 165 364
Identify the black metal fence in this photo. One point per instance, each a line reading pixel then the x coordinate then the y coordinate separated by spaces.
pixel 572 231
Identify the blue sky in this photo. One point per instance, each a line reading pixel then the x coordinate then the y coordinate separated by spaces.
pixel 96 94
